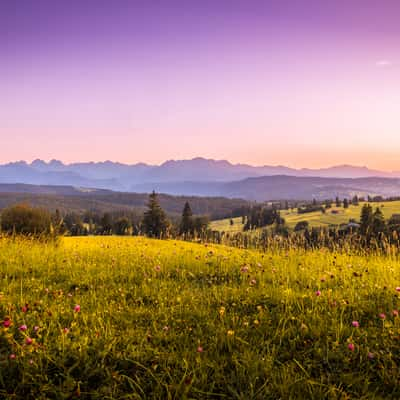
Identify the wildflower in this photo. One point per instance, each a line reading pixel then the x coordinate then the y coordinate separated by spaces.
pixel 398 289
pixel 355 324
pixel 382 316
pixel 351 346
pixel 253 282
pixel 157 268
pixel 24 308
pixel 230 332
pixel 395 313
pixel 166 328
pixel 7 323
pixel 200 349
pixel 35 328
pixel 77 308
pixel 13 356
pixel 66 330
pixel 28 341
pixel 244 269
pixel 371 356
pixel 23 328
pixel 318 293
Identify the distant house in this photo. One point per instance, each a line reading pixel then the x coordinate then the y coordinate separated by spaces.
pixel 353 225
pixel 350 227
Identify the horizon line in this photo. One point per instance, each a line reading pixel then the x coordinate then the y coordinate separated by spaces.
pixel 69 163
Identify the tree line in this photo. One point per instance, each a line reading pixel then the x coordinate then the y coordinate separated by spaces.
pixel 36 222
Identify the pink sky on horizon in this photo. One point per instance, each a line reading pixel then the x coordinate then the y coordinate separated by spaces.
pixel 291 83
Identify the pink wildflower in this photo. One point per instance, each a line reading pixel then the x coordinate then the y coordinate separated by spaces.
pixel 200 349
pixel 7 323
pixel 13 356
pixel 395 313
pixel 351 346
pixel 355 324
pixel 382 316
pixel 28 341
pixel 77 308
pixel 23 328
pixel 318 293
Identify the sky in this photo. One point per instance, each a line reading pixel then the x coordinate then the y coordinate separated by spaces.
pixel 303 83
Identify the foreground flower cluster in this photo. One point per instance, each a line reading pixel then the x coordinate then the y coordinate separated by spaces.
pixel 110 317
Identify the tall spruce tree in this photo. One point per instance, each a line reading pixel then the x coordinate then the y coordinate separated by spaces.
pixel 186 226
pixel 155 223
pixel 378 222
pixel 366 219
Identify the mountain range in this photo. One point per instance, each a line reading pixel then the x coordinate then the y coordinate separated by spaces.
pixel 206 177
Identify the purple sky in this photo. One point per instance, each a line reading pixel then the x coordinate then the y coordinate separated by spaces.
pixel 300 83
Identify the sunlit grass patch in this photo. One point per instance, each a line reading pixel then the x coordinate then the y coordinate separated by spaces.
pixel 112 317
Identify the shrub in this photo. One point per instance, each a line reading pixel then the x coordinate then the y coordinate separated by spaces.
pixel 25 220
pixel 301 225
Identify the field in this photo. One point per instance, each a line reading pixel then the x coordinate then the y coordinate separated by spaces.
pixel 315 219
pixel 133 318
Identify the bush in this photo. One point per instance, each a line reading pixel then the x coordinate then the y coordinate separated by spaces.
pixel 301 225
pixel 25 220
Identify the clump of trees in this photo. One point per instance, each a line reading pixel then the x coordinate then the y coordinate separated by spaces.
pixel 301 225
pixel 309 208
pixel 261 216
pixel 24 220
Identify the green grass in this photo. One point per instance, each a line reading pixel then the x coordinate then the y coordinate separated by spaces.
pixel 175 320
pixel 315 219
pixel 225 225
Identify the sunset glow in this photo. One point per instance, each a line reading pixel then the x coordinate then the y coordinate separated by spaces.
pixel 299 83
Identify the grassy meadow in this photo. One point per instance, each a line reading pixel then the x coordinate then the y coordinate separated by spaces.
pixel 135 318
pixel 316 218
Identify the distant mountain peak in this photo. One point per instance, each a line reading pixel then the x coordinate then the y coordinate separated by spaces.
pixel 38 162
pixel 118 176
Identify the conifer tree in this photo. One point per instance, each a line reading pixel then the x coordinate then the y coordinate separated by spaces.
pixel 366 219
pixel 155 223
pixel 187 220
pixel 378 222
